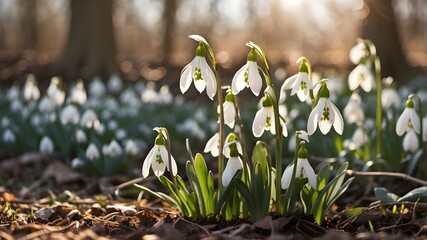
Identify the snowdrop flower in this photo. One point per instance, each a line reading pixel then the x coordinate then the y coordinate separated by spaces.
pixel 149 95
pixel 353 112
pixel 358 139
pixel 46 105
pixel 362 76
pixel 96 88
pixel 230 140
pixel 303 169
pixel 229 110
pixel 158 158
pixel 46 145
pixel 114 149
pixel 325 114
pixel 78 93
pixel 248 76
pixel 81 136
pixel 8 136
pixel 31 91
pixel 234 163
pixel 54 92
pixel 358 52
pixel 390 98
pixel 92 152
pixel 264 119
pixel 89 119
pixel 302 135
pixel 408 120
pixel 199 72
pixel 13 93
pixel 77 163
pixel 114 84
pixel 165 95
pixel 131 148
pixel 410 141
pixel 300 84
pixel 70 114
pixel 212 145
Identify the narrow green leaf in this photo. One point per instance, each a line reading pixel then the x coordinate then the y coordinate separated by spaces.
pixel 191 173
pixel 384 195
pixel 202 176
pixel 160 195
pixel 414 195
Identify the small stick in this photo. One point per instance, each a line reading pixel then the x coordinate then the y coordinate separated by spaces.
pixel 388 174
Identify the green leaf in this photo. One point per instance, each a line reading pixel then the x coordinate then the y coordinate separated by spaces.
pixel 227 192
pixel 246 193
pixel 202 176
pixel 413 162
pixel 353 212
pixel 191 173
pixel 260 155
pixel 161 196
pixel 414 195
pixel 384 195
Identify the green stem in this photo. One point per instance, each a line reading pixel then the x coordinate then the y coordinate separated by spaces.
pixel 168 148
pixel 242 133
pixel 221 127
pixel 290 191
pixel 377 68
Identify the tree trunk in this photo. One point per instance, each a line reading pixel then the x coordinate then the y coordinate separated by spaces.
pixel 169 19
pixel 380 27
pixel 90 48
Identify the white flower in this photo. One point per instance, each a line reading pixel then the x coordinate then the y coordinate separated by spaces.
pixel 114 84
pixel 157 158
pixel 92 152
pixel 46 105
pixel 300 84
pixel 358 139
pixel 114 149
pixel 362 76
pixel 358 52
pixel 131 148
pixel 46 145
pixel 96 88
pixel 303 169
pixel 408 120
pixel 70 114
pixel 165 95
pixel 13 93
pixel 199 72
pixel 264 119
pixel 234 163
pixel 77 163
pixel 54 92
pixel 8 136
pixel 31 91
pixel 78 93
pixel 325 114
pixel 81 136
pixel 410 141
pixel 89 119
pixel 353 112
pixel 390 98
pixel 229 110
pixel 212 145
pixel 247 76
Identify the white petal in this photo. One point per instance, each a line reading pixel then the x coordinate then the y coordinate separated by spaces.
pixel 297 83
pixel 302 94
pixel 284 128
pixel 147 162
pixel 415 120
pixel 309 172
pixel 212 145
pixel 289 83
pixel 238 82
pixel 174 167
pixel 286 177
pixel 410 142
pixel 209 78
pixel 338 120
pixel 231 168
pixel 255 80
pixel 229 113
pixel 314 116
pixel 354 77
pixel 368 83
pixel 186 77
pixel 159 166
pixel 402 122
pixel 259 122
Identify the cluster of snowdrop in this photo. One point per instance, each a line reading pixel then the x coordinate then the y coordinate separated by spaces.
pixel 103 129
pixel 244 182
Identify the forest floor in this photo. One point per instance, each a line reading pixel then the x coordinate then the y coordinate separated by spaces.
pixel 43 199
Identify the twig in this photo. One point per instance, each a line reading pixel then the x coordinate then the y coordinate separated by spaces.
pixel 192 223
pixel 388 174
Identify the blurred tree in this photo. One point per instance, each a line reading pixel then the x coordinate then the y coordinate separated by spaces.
pixel 29 24
pixel 90 49
pixel 380 27
pixel 169 19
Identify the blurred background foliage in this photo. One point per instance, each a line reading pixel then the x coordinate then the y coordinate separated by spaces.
pixel 147 39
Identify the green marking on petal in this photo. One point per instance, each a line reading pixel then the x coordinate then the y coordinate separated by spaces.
pixel 325 115
pixel 197 74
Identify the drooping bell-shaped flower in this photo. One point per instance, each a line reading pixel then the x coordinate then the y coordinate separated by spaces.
pixel 46 145
pixel 353 112
pixel 158 159
pixel 300 84
pixel 31 91
pixel 408 120
pixel 229 110
pixel 234 163
pixel 70 114
pixel 303 169
pixel 358 52
pixel 55 92
pixel 131 148
pixel 78 93
pixel 212 145
pixel 264 119
pixel 325 114
pixel 362 76
pixel 390 98
pixel 92 152
pixel 199 72
pixel 248 76
pixel 358 139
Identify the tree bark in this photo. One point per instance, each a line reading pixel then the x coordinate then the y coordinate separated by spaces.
pixel 380 27
pixel 169 19
pixel 90 48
